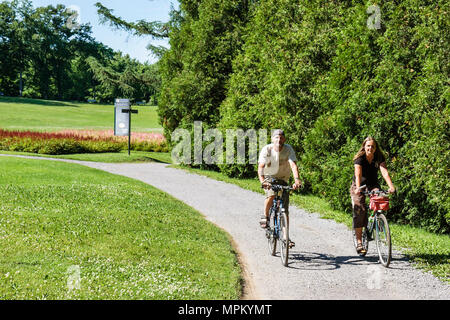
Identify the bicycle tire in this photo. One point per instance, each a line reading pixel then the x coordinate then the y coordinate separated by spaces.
pixel 383 240
pixel 284 239
pixel 271 236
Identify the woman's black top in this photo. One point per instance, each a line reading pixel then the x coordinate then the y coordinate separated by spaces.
pixel 369 171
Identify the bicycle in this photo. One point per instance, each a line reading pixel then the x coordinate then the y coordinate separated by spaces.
pixel 377 226
pixel 278 229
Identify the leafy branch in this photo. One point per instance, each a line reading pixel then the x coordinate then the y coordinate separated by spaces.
pixel 155 29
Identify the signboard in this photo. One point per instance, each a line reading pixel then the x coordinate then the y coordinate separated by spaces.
pixel 122 118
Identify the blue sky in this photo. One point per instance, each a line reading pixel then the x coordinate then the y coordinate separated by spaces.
pixel 129 10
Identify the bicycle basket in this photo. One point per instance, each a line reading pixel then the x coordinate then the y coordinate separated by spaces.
pixel 379 203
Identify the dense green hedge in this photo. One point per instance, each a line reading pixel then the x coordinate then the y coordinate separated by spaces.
pixel 329 76
pixel 390 83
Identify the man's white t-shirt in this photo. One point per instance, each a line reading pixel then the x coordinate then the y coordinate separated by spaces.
pixel 277 163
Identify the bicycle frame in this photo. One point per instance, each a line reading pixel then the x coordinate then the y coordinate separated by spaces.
pixel 372 224
pixel 279 231
pixel 277 206
pixel 375 214
pixel 382 236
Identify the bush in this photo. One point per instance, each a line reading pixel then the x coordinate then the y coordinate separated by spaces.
pixel 55 143
pixel 273 83
pixel 318 70
pixel 59 146
pixel 391 84
pixel 149 146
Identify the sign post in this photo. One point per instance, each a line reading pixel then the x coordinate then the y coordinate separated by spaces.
pixel 122 119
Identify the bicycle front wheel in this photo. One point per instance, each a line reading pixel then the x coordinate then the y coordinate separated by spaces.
pixel 284 239
pixel 383 240
pixel 272 232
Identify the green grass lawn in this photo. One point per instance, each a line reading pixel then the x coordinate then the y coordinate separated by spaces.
pixel 47 115
pixel 113 157
pixel 72 232
pixel 43 231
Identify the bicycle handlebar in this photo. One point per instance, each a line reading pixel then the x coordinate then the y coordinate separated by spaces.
pixel 276 187
pixel 383 193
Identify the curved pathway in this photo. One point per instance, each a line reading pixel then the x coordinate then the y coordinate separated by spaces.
pixel 323 265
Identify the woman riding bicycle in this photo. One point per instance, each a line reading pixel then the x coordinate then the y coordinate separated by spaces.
pixel 367 161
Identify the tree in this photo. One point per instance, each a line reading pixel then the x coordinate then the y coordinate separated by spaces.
pixel 122 76
pixel 205 37
pixel 40 47
pixel 52 47
pixel 156 29
pixel 14 51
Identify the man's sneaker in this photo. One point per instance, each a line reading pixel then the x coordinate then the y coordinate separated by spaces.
pixel 263 222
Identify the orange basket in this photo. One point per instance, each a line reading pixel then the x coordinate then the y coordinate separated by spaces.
pixel 379 203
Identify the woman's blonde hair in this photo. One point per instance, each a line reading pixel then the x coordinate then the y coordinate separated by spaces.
pixel 378 156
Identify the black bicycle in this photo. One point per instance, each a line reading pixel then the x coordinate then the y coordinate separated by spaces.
pixel 278 228
pixel 377 228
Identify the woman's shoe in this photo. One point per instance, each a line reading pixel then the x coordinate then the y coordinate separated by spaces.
pixel 360 249
pixel 291 244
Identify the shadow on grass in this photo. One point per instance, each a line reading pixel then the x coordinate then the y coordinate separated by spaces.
pixel 49 103
pixel 152 159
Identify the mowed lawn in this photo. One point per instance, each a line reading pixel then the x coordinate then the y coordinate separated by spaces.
pixel 47 115
pixel 72 232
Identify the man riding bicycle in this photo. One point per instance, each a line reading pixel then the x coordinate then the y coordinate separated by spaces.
pixel 276 161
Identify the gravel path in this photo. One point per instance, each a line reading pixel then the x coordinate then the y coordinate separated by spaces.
pixel 323 265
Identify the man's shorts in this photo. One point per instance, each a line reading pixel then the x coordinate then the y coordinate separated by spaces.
pixel 285 198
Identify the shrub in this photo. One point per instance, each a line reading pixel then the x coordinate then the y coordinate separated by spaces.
pixel 70 142
pixel 317 70
pixel 389 83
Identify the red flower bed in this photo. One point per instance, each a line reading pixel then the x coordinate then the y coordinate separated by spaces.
pixel 77 141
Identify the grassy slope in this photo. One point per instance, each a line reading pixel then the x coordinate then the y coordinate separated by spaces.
pixel 129 240
pixel 45 115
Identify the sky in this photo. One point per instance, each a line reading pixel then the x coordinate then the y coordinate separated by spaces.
pixel 129 10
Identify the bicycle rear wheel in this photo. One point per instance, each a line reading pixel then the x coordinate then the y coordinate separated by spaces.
pixel 272 233
pixel 383 240
pixel 284 239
